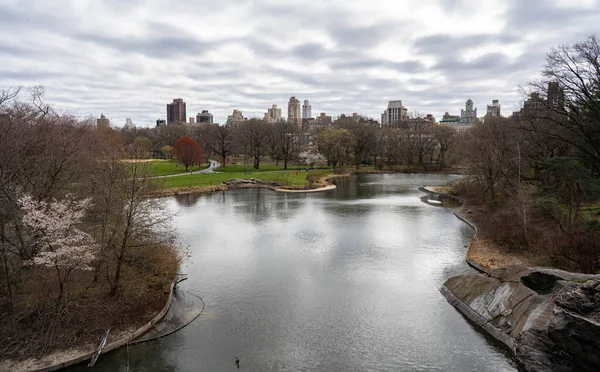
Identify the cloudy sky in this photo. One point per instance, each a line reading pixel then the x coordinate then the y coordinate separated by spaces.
pixel 128 58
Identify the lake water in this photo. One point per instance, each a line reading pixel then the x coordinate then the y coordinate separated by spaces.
pixel 344 280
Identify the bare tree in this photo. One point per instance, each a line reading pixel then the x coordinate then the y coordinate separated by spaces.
pixel 491 153
pixel 7 94
pixel 253 137
pixel 283 141
pixel 220 141
pixel 335 144
pixel 445 138
pixel 363 135
pixel 126 219
pixel 576 113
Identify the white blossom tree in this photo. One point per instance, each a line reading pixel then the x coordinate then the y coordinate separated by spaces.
pixel 312 158
pixel 60 243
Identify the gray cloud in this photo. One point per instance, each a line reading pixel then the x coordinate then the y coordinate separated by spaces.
pixel 544 14
pixel 129 58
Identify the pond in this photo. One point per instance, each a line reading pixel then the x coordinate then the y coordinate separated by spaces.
pixel 344 280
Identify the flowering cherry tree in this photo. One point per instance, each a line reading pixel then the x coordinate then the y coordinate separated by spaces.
pixel 60 243
pixel 312 158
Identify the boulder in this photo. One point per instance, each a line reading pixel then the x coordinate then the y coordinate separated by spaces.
pixel 549 318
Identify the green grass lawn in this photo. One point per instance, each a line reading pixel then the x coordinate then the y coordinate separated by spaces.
pixel 167 167
pixel 214 179
pixel 239 168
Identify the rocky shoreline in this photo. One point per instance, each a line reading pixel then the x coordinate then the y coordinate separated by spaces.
pixel 548 318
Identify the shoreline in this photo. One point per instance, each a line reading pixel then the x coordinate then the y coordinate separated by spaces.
pixel 483 254
pixel 66 358
pixel 324 183
pixel 240 183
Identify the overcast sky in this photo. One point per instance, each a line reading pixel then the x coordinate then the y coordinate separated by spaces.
pixel 128 58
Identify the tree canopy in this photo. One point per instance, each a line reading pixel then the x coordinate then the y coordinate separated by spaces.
pixel 188 151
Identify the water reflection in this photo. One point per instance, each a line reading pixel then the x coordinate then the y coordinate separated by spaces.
pixel 187 200
pixel 345 280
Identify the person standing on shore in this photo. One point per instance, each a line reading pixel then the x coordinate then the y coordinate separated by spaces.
pixel 237 362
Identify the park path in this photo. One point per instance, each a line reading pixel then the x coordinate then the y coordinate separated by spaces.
pixel 211 169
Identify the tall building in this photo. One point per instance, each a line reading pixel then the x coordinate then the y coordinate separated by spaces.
pixel 394 113
pixel 273 114
pixel 306 110
pixel 235 117
pixel 128 124
pixel 103 122
pixel 192 120
pixel 493 109
pixel 176 111
pixel 204 117
pixel 294 111
pixel 468 115
pixel 556 96
pixel 554 101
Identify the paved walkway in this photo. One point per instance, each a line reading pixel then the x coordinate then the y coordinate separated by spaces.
pixel 214 165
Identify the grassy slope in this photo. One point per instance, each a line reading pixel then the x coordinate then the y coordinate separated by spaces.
pixel 164 168
pixel 264 168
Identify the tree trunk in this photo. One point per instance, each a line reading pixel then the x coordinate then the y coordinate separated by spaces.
pixel 115 284
pixel 256 162
pixel 6 272
pixel 285 164
pixel 60 284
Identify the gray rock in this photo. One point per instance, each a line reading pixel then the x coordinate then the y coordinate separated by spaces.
pixel 550 318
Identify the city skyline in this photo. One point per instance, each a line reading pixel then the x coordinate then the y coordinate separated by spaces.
pixel 239 58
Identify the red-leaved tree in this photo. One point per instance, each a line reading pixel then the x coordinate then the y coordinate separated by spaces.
pixel 188 151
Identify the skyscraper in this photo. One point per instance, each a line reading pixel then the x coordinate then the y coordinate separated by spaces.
pixel 176 111
pixel 103 122
pixel 468 115
pixel 493 109
pixel 306 110
pixel 394 113
pixel 294 113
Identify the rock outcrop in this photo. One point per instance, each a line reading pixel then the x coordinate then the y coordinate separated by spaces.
pixel 549 318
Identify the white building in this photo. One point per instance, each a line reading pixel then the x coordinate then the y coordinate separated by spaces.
pixel 306 110
pixel 273 114
pixel 394 113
